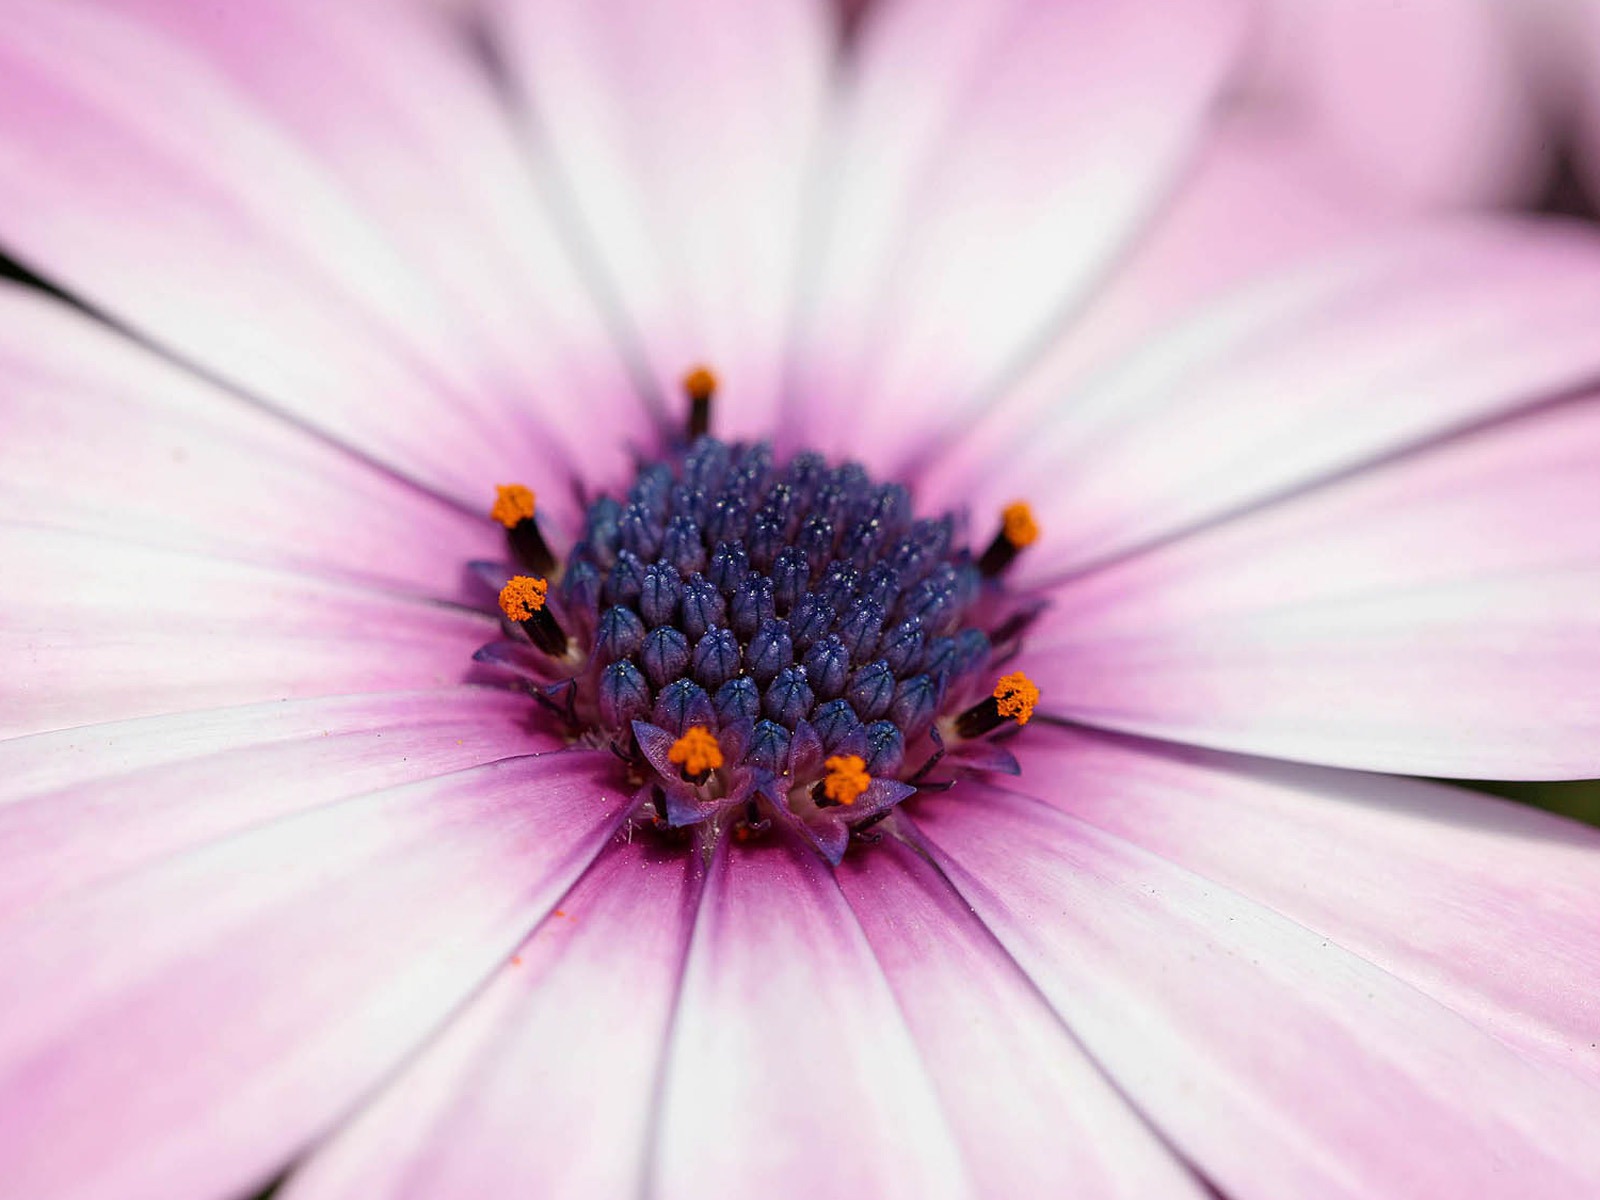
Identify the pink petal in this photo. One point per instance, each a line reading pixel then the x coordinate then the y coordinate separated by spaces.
pixel 681 134
pixel 322 207
pixel 94 630
pixel 1277 1061
pixel 1301 377
pixel 791 1071
pixel 1032 1114
pixel 1429 100
pixel 1248 206
pixel 82 804
pixel 1435 616
pixel 544 1086
pixel 184 1031
pixel 992 160
pixel 102 436
pixel 1484 905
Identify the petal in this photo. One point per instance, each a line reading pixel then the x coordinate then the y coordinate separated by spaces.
pixel 1303 376
pixel 1485 905
pixel 94 631
pixel 182 1032
pixel 790 1071
pixel 102 435
pixel 1032 1113
pixel 1248 206
pixel 1278 1062
pixel 991 161
pixel 681 134
pixel 321 207
pixel 1432 617
pixel 1429 101
pixel 82 804
pixel 543 1086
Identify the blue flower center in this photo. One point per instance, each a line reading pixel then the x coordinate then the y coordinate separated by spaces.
pixel 763 639
pixel 730 587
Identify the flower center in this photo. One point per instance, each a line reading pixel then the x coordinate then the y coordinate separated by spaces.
pixel 764 640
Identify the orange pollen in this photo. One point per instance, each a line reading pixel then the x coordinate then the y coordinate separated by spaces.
pixel 1015 696
pixel 700 383
pixel 1018 525
pixel 523 597
pixel 847 778
pixel 513 504
pixel 696 751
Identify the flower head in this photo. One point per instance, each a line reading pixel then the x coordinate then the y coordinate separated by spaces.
pixel 773 807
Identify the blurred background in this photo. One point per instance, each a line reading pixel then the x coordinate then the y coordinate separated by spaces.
pixel 1421 105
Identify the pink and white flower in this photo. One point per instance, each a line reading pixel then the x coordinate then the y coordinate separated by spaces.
pixel 287 880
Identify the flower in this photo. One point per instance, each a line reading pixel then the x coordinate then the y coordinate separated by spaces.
pixel 289 882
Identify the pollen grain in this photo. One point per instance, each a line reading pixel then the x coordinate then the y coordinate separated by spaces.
pixel 700 383
pixel 847 778
pixel 1016 521
pixel 523 597
pixel 697 751
pixel 513 504
pixel 1015 696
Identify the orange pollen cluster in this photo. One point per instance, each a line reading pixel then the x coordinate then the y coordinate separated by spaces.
pixel 1018 525
pixel 513 504
pixel 700 383
pixel 523 597
pixel 847 778
pixel 1015 696
pixel 696 751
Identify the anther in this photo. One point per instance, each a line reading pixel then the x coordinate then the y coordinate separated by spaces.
pixel 523 601
pixel 700 385
pixel 1017 530
pixel 1013 699
pixel 514 507
pixel 696 753
pixel 846 779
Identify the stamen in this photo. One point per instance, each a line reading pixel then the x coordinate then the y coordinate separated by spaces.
pixel 1014 698
pixel 1016 521
pixel 847 778
pixel 1018 529
pixel 514 507
pixel 523 601
pixel 1015 695
pixel 523 596
pixel 697 752
pixel 513 503
pixel 700 385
